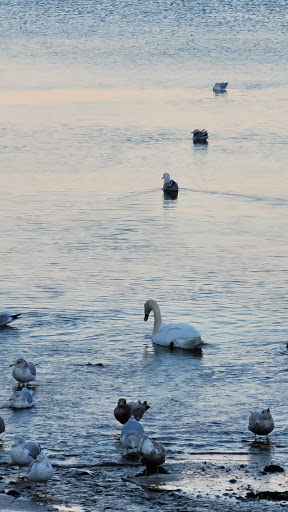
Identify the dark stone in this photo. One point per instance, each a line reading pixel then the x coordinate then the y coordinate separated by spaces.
pixel 273 468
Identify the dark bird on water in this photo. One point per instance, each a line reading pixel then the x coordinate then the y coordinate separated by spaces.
pixel 125 410
pixel 170 187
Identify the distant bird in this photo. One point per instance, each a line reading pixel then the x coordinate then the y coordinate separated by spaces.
pixel 125 410
pixel 7 318
pixel 220 86
pixel 171 335
pixel 131 434
pixel 2 425
pixel 170 187
pixel 22 399
pixel 152 454
pixel 23 372
pixel 200 136
pixel 40 470
pixel 24 452
pixel 261 423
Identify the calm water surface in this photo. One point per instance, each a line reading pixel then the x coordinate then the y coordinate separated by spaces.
pixel 98 99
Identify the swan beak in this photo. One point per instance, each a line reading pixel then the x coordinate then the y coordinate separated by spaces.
pixel 12 364
pixel 146 317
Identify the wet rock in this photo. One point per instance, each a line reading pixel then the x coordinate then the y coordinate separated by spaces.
pixel 13 492
pixel 233 481
pixel 273 468
pixel 268 495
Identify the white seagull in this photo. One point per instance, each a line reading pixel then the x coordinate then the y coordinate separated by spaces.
pixel 170 187
pixel 22 399
pixel 7 318
pixel 24 452
pixel 152 454
pixel 40 470
pixel 131 434
pixel 261 423
pixel 23 372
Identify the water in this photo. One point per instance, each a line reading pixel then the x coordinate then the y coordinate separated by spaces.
pixel 97 101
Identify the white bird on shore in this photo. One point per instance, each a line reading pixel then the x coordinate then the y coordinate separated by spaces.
pixel 152 454
pixel 22 399
pixel 7 318
pixel 125 410
pixel 24 452
pixel 131 434
pixel 261 423
pixel 220 86
pixel 23 372
pixel 171 335
pixel 40 470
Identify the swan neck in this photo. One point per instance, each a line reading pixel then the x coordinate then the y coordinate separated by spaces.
pixel 157 317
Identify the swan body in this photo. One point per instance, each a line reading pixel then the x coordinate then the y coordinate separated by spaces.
pixel 152 454
pixel 22 399
pixel 200 136
pixel 170 187
pixel 23 372
pixel 40 469
pixel 220 86
pixel 7 318
pixel 171 335
pixel 23 453
pixel 261 423
pixel 131 434
pixel 125 410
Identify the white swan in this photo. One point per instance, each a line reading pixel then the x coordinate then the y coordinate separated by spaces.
pixel 261 423
pixel 171 335
pixel 220 86
pixel 6 318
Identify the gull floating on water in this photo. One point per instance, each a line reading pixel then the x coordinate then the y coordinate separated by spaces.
pixel 200 136
pixel 220 86
pixel 152 454
pixel 23 371
pixel 22 399
pixel 125 410
pixel 40 469
pixel 171 335
pixel 131 434
pixel 24 452
pixel 7 318
pixel 170 187
pixel 261 423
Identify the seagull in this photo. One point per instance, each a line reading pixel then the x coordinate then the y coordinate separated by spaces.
pixel 7 318
pixel 24 452
pixel 22 399
pixel 220 87
pixel 200 136
pixel 131 434
pixel 23 371
pixel 125 410
pixel 153 454
pixel 40 469
pixel 170 187
pixel 261 423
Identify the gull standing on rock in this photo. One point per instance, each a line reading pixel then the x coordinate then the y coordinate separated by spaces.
pixel 23 372
pixel 261 423
pixel 24 452
pixel 131 435
pixel 7 318
pixel 40 470
pixel 22 399
pixel 152 454
pixel 125 410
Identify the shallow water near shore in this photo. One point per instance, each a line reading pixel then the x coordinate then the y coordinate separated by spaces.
pixel 96 103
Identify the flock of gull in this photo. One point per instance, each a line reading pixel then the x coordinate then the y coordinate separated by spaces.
pixel 25 453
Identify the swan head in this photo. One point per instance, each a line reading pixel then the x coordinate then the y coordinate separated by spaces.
pixel 147 310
